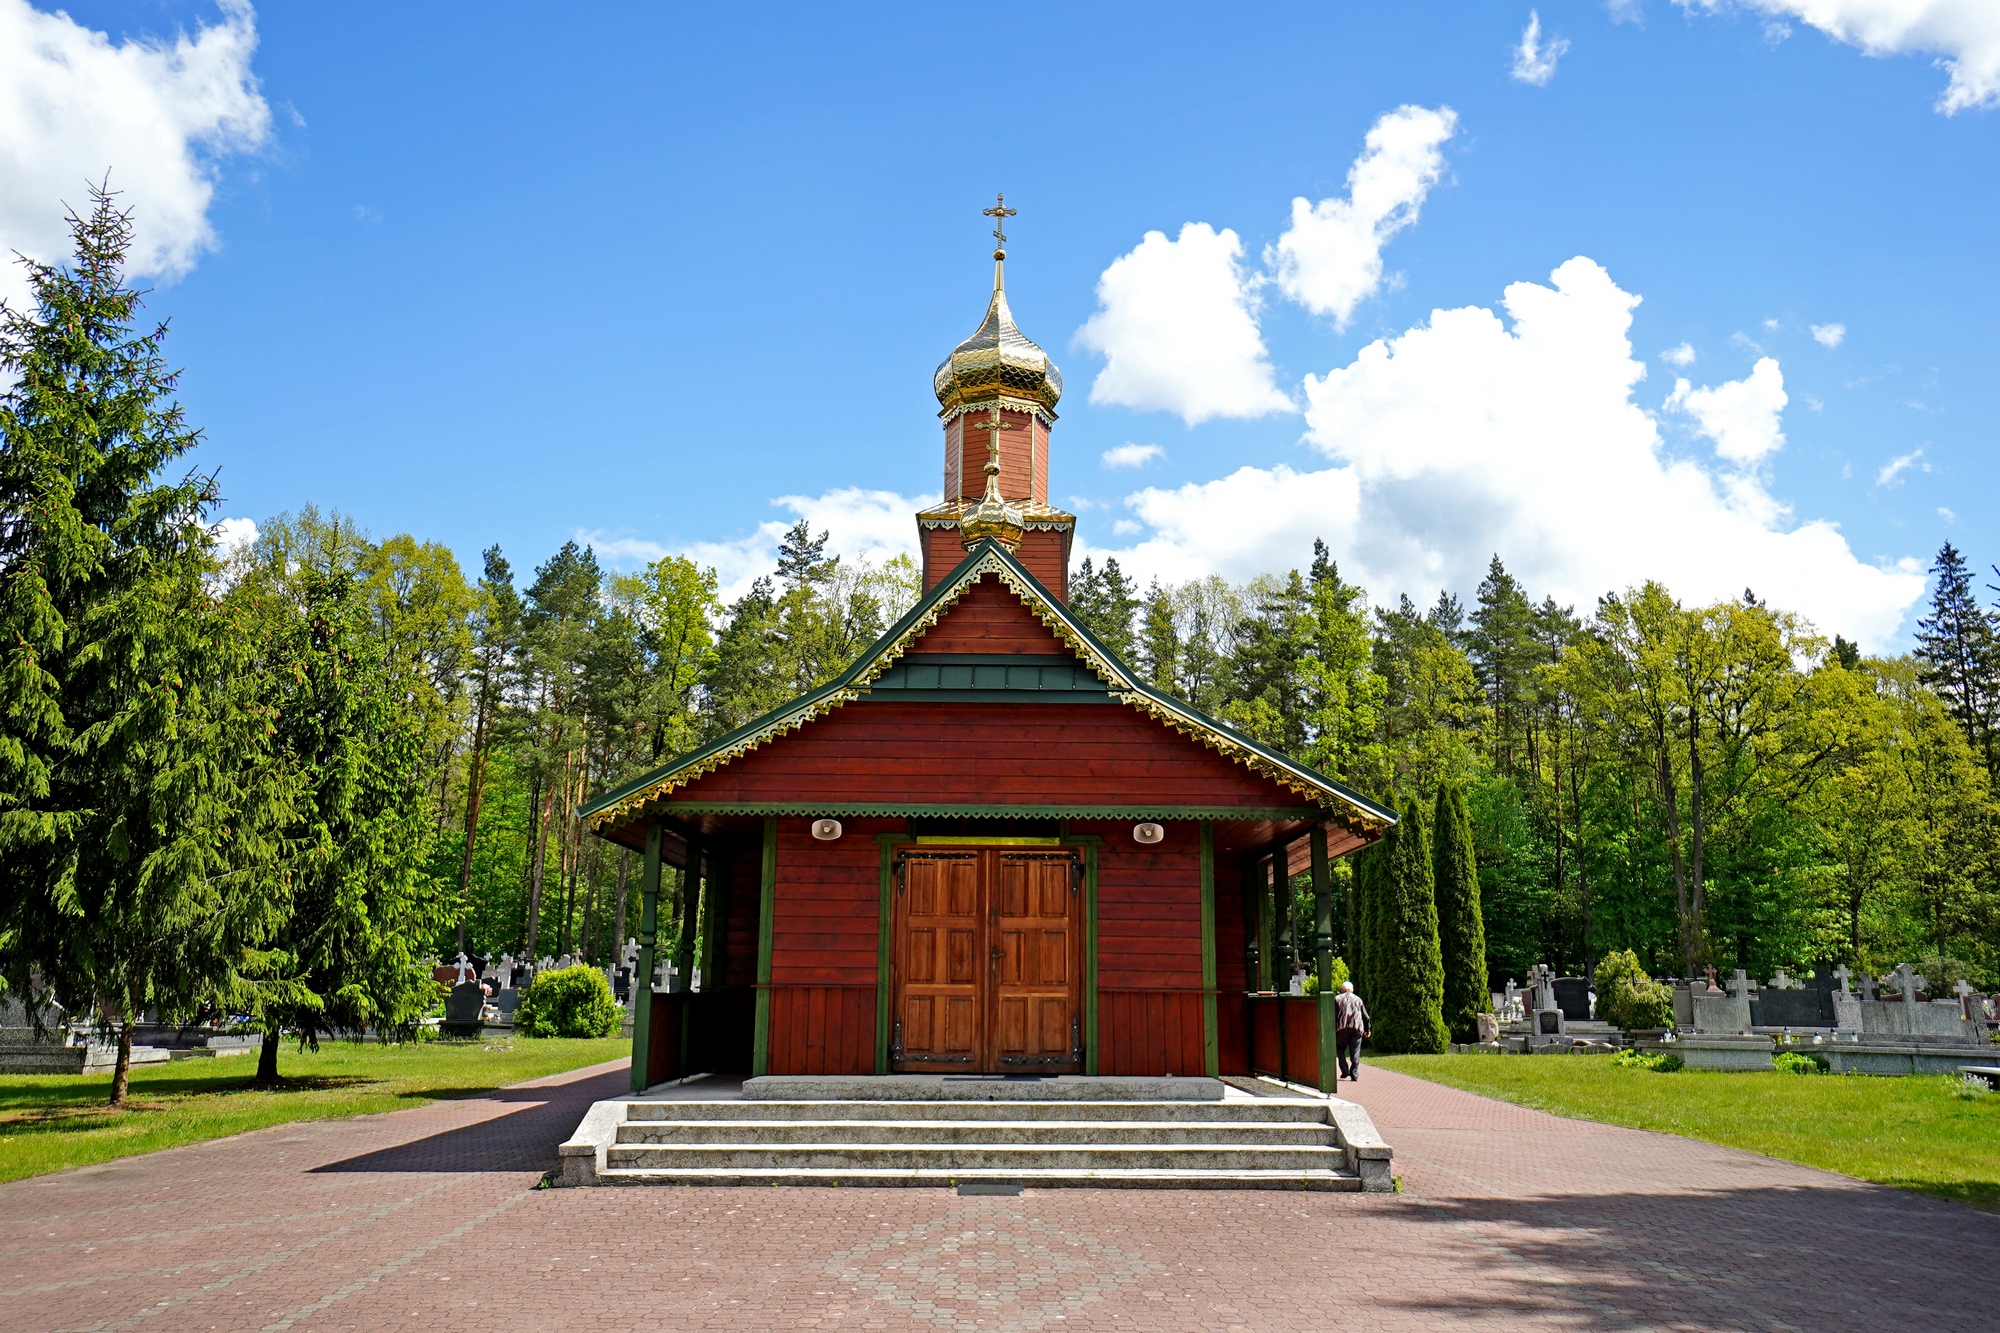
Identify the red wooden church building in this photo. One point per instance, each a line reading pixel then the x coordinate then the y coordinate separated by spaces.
pixel 989 845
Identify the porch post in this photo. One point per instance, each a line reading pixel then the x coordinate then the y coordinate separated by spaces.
pixel 767 906
pixel 884 918
pixel 642 980
pixel 1211 1053
pixel 1322 873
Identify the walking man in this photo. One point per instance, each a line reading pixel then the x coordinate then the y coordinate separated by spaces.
pixel 1350 1026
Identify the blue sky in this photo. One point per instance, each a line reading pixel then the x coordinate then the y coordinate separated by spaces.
pixel 512 274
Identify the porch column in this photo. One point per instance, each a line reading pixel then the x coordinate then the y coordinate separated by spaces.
pixel 642 980
pixel 767 907
pixel 1322 873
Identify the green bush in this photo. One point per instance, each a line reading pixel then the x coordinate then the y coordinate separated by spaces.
pixel 1627 998
pixel 1660 1062
pixel 567 1002
pixel 1339 975
pixel 1798 1062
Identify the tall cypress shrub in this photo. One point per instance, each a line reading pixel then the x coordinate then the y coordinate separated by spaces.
pixel 1461 932
pixel 1408 1005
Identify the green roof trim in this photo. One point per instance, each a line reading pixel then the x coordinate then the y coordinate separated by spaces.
pixel 987 557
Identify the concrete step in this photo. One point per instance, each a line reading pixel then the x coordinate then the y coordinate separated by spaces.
pixel 970 1156
pixel 946 1132
pixel 1104 1178
pixel 1264 1110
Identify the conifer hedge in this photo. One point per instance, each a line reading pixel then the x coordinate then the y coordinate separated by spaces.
pixel 1461 932
pixel 1408 1004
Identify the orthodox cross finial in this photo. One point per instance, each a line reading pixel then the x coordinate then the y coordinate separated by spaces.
pixel 995 426
pixel 999 213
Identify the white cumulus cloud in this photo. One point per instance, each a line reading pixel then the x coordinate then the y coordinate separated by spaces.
pixel 1130 455
pixel 1682 356
pixel 1330 259
pixel 1177 326
pixel 862 525
pixel 1829 335
pixel 155 114
pixel 1476 433
pixel 1743 416
pixel 1964 35
pixel 1534 59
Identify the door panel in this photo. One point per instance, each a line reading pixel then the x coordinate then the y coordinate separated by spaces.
pixel 935 943
pixel 986 960
pixel 1039 926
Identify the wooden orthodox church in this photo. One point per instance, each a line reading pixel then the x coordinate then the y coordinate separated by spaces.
pixel 988 846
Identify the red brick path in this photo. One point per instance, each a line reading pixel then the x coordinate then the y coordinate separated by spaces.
pixel 430 1219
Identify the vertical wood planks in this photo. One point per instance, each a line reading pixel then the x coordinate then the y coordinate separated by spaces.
pixel 1211 1062
pixel 760 1050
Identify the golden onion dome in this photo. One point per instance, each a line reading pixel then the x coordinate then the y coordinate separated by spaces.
pixel 998 359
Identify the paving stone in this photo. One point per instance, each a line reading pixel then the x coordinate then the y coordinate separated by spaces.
pixel 432 1219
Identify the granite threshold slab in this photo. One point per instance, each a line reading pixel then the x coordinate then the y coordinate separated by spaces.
pixel 980 1088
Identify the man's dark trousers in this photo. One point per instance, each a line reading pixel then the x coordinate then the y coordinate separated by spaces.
pixel 1347 1046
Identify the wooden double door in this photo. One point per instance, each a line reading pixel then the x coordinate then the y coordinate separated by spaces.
pixel 986 962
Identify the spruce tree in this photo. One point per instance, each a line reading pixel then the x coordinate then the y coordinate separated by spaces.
pixel 1105 601
pixel 1461 932
pixel 1958 656
pixel 130 785
pixel 1408 1005
pixel 1160 641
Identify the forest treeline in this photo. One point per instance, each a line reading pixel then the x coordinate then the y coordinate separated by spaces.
pixel 279 780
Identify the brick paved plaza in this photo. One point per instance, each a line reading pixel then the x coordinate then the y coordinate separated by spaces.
pixel 431 1219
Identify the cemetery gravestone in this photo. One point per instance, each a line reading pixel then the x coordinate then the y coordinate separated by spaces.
pixel 1572 996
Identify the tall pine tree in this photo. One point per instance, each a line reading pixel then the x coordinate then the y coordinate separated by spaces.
pixel 131 786
pixel 1958 656
pixel 1461 932
pixel 1408 1004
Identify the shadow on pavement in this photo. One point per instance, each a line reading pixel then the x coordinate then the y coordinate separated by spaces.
pixel 522 1140
pixel 1823 1259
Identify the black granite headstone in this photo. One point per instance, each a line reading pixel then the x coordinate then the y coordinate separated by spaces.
pixel 1573 998
pixel 462 1008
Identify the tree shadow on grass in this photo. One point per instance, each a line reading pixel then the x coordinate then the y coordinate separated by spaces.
pixel 65 1106
pixel 1861 1257
pixel 519 1140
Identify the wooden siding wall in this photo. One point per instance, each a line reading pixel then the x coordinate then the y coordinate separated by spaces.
pixel 1290 1051
pixel 989 618
pixel 1149 992
pixel 1045 554
pixel 1089 754
pixel 824 949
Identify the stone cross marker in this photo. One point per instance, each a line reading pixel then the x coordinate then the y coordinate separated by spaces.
pixel 463 966
pixel 1963 989
pixel 1842 973
pixel 1868 984
pixel 1739 985
pixel 1909 982
pixel 1781 981
pixel 1710 969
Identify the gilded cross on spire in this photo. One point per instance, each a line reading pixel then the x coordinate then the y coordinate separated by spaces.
pixel 999 213
pixel 995 427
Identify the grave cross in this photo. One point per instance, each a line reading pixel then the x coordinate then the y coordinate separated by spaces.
pixel 1781 981
pixel 1868 984
pixel 1963 990
pixel 1842 973
pixel 1909 982
pixel 1710 969
pixel 463 966
pixel 1739 985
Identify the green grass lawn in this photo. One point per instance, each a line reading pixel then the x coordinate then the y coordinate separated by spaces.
pixel 1921 1133
pixel 52 1122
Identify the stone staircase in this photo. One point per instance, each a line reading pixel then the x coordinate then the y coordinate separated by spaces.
pixel 1243 1142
